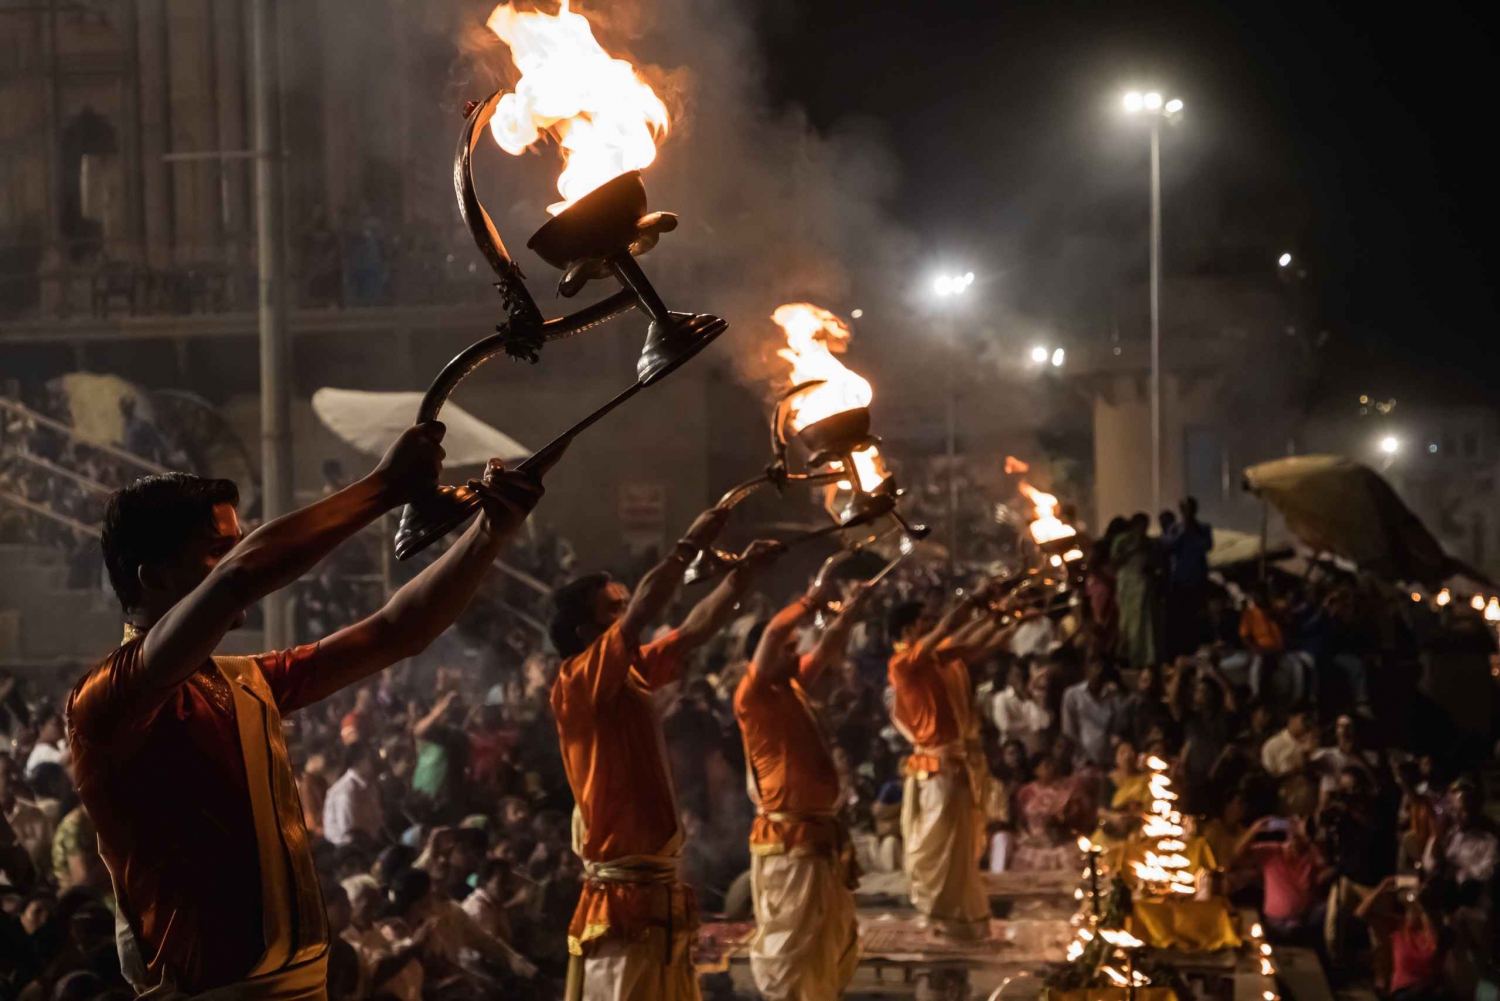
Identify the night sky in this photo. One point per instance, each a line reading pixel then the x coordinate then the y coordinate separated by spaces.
pixel 1351 136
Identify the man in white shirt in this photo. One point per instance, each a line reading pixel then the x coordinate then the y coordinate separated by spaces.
pixel 51 745
pixel 1329 762
pixel 1017 714
pixel 1089 710
pixel 1285 753
pixel 353 802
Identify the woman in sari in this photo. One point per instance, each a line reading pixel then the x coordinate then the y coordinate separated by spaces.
pixel 1130 796
pixel 1099 585
pixel 1050 814
pixel 1135 589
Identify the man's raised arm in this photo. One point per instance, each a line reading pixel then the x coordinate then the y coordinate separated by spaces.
pixel 774 638
pixel 835 638
pixel 278 553
pixel 955 617
pixel 714 612
pixel 427 604
pixel 657 588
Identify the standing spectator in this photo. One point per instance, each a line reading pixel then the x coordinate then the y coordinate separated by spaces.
pixel 1133 557
pixel 353 803
pixel 442 750
pixel 358 725
pixel 1188 547
pixel 1417 943
pixel 1017 714
pixel 1291 872
pixel 51 744
pixel 1089 712
pixel 1144 710
pixel 1286 753
pixel 1207 728
pixel 1100 585
pixel 1328 763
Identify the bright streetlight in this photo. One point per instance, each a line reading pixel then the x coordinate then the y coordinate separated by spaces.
pixel 1389 445
pixel 1039 355
pixel 1057 358
pixel 1154 106
pixel 1284 260
pixel 946 285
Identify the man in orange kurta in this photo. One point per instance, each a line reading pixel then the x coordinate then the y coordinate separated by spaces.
pixel 942 809
pixel 178 753
pixel 631 935
pixel 802 871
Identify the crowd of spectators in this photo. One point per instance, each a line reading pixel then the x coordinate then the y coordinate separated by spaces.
pixel 440 812
pixel 48 468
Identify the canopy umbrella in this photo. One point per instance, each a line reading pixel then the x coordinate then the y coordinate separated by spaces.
pixel 371 421
pixel 1335 505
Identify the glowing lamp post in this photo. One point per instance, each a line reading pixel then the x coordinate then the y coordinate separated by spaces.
pixel 946 287
pixel 1154 107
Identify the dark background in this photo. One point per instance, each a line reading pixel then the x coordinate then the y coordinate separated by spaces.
pixel 1353 136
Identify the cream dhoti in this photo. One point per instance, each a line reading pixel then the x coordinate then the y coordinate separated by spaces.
pixel 806 943
pixel 942 827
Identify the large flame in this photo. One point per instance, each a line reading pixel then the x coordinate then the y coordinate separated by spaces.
pixel 1047 527
pixel 606 119
pixel 813 337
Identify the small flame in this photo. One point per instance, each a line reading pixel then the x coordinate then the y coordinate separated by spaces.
pixel 1477 602
pixel 1014 465
pixel 813 337
pixel 606 119
pixel 1047 527
pixel 1492 610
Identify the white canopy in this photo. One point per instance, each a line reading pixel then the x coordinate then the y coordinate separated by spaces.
pixel 371 421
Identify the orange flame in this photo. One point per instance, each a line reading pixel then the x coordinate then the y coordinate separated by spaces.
pixel 1014 465
pixel 606 119
pixel 813 337
pixel 1047 527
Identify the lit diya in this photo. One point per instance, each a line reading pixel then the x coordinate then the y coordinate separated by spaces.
pixel 606 121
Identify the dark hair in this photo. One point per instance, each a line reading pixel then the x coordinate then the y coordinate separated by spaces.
pixel 151 521
pixel 409 888
pixel 573 606
pixel 356 752
pixel 902 616
pixel 492 867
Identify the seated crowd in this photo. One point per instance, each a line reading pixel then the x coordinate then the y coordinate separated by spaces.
pixel 442 816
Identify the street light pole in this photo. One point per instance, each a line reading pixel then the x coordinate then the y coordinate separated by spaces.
pixel 1155 315
pixel 945 286
pixel 275 392
pixel 952 448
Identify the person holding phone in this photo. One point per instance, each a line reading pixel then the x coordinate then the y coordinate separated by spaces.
pixel 1292 870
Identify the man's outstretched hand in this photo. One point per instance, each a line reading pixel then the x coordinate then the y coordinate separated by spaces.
pixel 411 466
pixel 508 496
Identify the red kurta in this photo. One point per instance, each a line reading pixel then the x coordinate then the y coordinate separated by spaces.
pixel 614 753
pixel 163 775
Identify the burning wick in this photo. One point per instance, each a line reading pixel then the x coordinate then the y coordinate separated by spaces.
pixel 813 337
pixel 605 118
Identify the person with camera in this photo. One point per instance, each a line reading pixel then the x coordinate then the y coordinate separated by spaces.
pixel 1349 831
pixel 1292 870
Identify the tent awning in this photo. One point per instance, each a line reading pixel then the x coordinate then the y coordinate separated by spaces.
pixel 371 421
pixel 1335 505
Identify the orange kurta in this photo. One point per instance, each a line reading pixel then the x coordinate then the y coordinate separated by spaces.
pixel 933 707
pixel 615 757
pixel 791 768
